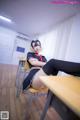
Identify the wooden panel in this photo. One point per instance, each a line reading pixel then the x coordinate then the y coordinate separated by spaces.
pixel 67 88
pixel 19 108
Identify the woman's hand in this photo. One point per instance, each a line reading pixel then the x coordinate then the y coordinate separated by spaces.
pixel 35 62
pixel 33 59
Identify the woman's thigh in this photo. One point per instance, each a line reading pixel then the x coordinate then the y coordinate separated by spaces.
pixel 36 82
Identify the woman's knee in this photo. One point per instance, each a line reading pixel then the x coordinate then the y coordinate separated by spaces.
pixel 50 67
pixel 51 61
pixel 37 84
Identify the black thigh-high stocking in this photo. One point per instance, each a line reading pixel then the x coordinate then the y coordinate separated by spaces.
pixel 54 65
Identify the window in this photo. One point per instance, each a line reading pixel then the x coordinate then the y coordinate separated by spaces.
pixel 20 49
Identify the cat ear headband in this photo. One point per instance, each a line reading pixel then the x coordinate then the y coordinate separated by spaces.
pixel 35 43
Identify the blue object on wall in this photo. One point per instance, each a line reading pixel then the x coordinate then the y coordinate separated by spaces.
pixel 20 49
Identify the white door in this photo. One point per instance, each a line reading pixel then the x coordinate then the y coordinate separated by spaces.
pixel 7 38
pixel 21 48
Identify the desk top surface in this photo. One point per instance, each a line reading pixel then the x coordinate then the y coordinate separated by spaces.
pixel 67 88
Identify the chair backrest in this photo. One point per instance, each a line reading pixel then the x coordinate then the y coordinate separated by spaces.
pixel 26 65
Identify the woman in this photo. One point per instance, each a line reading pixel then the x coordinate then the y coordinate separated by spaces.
pixel 36 61
pixel 53 66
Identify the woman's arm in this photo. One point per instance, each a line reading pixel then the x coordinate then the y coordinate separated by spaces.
pixel 35 62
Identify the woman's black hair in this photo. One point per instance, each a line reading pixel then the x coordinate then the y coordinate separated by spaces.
pixel 35 43
pixel 32 43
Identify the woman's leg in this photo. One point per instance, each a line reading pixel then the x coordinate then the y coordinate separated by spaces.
pixel 52 67
pixel 36 82
pixel 28 79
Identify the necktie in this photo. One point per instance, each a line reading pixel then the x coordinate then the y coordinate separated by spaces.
pixel 40 56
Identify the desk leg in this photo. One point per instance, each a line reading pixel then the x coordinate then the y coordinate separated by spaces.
pixel 47 104
pixel 60 107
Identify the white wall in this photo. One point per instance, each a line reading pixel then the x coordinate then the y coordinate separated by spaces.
pixel 7 38
pixel 55 42
pixel 64 40
pixel 48 42
pixel 8 45
pixel 19 55
pixel 73 49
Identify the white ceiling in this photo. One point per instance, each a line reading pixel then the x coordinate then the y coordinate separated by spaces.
pixel 34 17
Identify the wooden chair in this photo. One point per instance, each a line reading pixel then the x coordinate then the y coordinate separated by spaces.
pixel 33 94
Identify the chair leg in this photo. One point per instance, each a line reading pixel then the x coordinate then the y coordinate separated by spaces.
pixel 17 93
pixel 49 95
pixel 19 75
pixel 34 97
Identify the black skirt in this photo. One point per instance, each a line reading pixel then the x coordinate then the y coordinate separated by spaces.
pixel 27 81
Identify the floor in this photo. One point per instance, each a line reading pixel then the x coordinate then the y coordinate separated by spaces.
pixel 19 108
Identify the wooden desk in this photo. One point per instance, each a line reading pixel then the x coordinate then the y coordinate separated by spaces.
pixel 66 89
